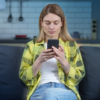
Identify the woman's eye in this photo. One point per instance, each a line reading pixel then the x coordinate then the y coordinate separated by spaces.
pixel 56 23
pixel 47 23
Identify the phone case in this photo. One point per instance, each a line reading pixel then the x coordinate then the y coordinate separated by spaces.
pixel 53 42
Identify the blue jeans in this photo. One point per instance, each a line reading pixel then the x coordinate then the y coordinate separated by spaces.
pixel 53 91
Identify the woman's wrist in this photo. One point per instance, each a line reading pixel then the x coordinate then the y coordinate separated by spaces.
pixel 36 67
pixel 66 67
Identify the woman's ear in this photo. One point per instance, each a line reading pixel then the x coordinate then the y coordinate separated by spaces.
pixel 62 22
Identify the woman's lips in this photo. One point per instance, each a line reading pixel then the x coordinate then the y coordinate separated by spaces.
pixel 52 31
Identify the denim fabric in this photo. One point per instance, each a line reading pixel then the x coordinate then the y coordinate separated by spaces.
pixel 53 91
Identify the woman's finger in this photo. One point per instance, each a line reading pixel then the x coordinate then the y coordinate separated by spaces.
pixel 58 53
pixel 47 53
pixel 50 53
pixel 57 58
pixel 48 50
pixel 45 58
pixel 61 47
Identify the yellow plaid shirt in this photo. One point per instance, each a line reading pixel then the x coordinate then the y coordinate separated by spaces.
pixel 73 56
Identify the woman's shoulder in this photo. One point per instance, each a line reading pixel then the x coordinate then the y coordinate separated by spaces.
pixel 31 42
pixel 71 43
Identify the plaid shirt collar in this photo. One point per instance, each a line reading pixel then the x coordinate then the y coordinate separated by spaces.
pixel 42 43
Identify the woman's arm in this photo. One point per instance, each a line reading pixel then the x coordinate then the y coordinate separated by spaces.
pixel 29 68
pixel 77 70
pixel 60 56
pixel 74 68
pixel 26 73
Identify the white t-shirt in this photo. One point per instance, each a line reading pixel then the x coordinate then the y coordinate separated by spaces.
pixel 49 71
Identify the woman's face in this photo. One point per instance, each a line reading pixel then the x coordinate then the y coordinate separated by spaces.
pixel 51 25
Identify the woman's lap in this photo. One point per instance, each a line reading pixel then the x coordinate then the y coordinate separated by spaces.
pixel 53 91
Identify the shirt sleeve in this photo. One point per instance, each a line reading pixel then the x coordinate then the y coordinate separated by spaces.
pixel 77 70
pixel 25 72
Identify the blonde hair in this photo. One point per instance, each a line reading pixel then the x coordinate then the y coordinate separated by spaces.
pixel 55 9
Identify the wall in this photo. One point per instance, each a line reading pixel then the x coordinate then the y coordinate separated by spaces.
pixel 78 16
pixel 95 12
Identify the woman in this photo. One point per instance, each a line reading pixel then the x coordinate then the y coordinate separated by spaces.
pixel 52 75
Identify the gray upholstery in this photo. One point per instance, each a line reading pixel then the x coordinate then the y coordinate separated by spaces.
pixel 11 87
pixel 89 87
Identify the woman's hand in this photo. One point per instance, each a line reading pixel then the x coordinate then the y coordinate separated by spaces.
pixel 60 56
pixel 45 55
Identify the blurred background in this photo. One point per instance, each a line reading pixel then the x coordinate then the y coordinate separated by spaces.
pixel 20 18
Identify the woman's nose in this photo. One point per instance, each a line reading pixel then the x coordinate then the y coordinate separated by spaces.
pixel 51 26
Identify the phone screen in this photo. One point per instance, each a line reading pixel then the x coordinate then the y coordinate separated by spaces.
pixel 53 42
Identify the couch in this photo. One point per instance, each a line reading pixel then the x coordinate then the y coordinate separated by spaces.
pixel 12 88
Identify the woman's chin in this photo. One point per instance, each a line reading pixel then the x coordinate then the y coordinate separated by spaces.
pixel 53 37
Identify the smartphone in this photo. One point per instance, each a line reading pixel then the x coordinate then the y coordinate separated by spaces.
pixel 53 42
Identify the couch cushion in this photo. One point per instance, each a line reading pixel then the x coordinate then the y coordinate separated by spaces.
pixel 89 87
pixel 11 87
